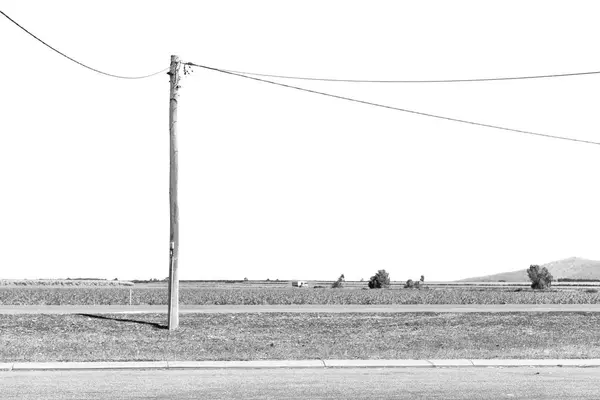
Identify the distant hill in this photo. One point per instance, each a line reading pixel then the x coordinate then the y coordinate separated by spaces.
pixel 571 268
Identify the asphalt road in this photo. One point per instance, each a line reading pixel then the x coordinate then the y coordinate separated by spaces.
pixel 366 383
pixel 187 309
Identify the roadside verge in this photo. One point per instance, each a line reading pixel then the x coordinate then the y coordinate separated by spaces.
pixel 295 364
pixel 301 308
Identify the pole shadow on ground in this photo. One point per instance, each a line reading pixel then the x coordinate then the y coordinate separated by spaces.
pixel 156 325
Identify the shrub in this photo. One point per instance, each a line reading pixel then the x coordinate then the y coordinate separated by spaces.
pixel 540 277
pixel 339 283
pixel 591 290
pixel 380 280
pixel 410 284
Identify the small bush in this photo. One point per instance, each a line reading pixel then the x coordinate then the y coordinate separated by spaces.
pixel 380 280
pixel 540 277
pixel 410 284
pixel 339 283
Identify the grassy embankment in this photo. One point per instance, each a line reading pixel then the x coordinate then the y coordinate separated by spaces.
pixel 299 336
pixel 207 296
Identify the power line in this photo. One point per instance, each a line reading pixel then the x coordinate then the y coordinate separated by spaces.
pixel 77 62
pixel 399 109
pixel 510 78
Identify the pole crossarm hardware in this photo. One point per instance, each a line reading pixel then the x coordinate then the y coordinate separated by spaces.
pixel 173 313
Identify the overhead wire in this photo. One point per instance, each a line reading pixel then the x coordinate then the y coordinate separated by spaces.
pixel 506 78
pixel 396 108
pixel 80 63
pixel 247 76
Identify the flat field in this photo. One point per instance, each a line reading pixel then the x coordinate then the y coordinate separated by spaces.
pixel 255 336
pixel 287 296
pixel 63 282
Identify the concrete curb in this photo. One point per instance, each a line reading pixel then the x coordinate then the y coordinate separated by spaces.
pixel 54 366
pixel 5 366
pixel 246 364
pixel 296 364
pixel 377 364
pixel 452 363
pixel 538 363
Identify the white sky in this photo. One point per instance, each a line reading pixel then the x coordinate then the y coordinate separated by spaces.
pixel 276 183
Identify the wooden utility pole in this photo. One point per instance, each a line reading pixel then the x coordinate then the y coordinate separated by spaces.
pixel 174 237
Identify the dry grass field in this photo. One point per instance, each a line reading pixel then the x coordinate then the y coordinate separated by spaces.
pixel 287 296
pixel 256 336
pixel 62 283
